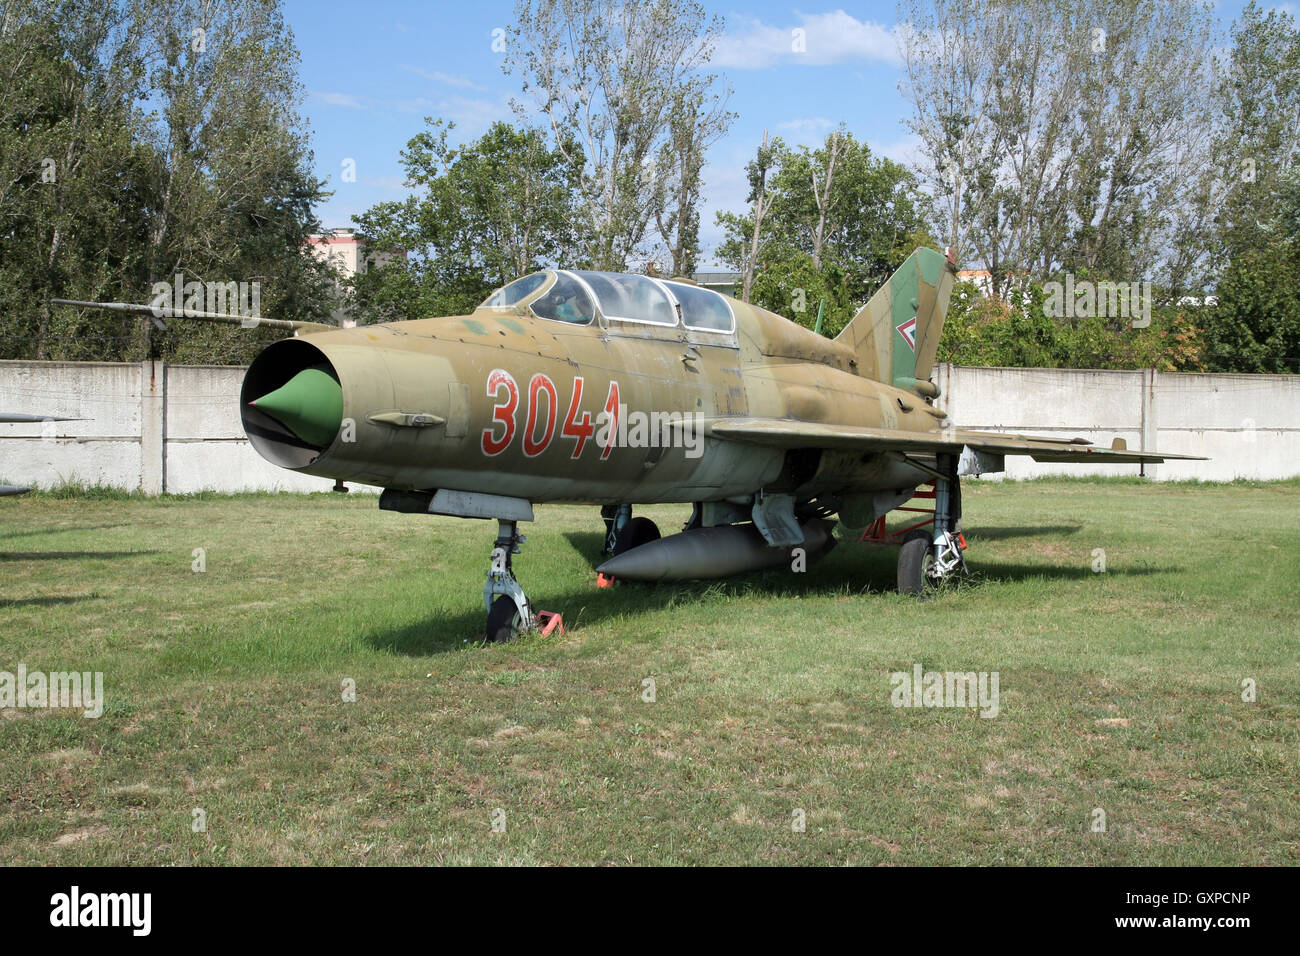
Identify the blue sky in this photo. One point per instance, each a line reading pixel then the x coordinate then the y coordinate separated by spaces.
pixel 373 71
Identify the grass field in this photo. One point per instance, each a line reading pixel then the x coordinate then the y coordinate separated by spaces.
pixel 1119 691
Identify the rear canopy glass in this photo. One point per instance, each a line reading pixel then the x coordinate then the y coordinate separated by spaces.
pixel 703 308
pixel 631 298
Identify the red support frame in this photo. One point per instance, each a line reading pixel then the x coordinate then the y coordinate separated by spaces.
pixel 877 533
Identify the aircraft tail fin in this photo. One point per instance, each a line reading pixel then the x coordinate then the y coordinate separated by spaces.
pixel 896 334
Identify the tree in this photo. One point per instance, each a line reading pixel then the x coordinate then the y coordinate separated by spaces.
pixel 1254 325
pixel 842 204
pixel 485 213
pixel 745 232
pixel 829 224
pixel 69 168
pixel 1063 135
pixel 697 120
pixel 983 331
pixel 622 80
pixel 139 139
pixel 236 185
pixel 1258 96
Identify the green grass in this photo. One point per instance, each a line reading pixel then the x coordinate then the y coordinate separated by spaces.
pixel 1119 691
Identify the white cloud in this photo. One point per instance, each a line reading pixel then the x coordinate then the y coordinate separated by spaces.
pixel 835 37
pixel 472 115
pixel 448 79
pixel 469 112
pixel 906 151
pixel 392 183
pixel 374 104
pixel 340 99
pixel 809 131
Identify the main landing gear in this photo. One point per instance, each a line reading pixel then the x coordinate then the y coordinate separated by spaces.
pixel 930 558
pixel 623 532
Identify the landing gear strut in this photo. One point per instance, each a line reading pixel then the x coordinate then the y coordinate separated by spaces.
pixel 623 532
pixel 617 518
pixel 509 611
pixel 930 558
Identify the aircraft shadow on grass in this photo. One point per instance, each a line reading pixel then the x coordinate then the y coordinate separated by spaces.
pixel 50 601
pixel 68 555
pixel 849 567
pixel 1022 531
pixel 57 529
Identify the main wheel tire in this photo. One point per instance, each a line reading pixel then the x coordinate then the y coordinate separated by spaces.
pixel 639 531
pixel 503 620
pixel 914 558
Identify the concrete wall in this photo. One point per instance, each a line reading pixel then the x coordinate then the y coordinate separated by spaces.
pixel 177 428
pixel 1248 425
pixel 147 426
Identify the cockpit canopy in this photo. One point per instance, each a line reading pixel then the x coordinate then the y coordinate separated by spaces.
pixel 578 297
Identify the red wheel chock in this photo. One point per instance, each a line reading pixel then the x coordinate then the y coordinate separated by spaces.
pixel 604 580
pixel 548 621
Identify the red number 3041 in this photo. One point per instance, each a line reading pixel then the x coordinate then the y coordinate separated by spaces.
pixel 578 427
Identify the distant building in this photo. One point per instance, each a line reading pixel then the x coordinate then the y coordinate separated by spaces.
pixel 1015 288
pixel 346 253
pixel 347 256
pixel 725 282
pixel 982 279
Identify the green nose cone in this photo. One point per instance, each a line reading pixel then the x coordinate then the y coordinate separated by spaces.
pixel 310 405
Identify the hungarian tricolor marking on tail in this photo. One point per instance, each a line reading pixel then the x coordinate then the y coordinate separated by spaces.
pixel 908 331
pixel 895 336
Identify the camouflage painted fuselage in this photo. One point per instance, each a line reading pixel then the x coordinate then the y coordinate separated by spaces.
pixel 515 403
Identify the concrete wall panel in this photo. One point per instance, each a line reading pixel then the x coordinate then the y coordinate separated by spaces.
pixel 178 428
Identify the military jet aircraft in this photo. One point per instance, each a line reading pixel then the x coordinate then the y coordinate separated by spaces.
pixel 620 390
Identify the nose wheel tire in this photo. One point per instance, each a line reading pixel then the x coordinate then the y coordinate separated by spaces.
pixel 503 621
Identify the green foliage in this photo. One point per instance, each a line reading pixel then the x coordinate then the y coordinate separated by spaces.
pixel 484 214
pixel 133 149
pixel 875 214
pixel 623 88
pixel 840 221
pixel 1259 98
pixel 982 331
pixel 1256 325
pixel 789 284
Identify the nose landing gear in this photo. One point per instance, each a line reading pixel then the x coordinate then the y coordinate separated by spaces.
pixel 509 611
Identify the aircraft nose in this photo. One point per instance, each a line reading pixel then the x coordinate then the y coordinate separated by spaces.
pixel 310 405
